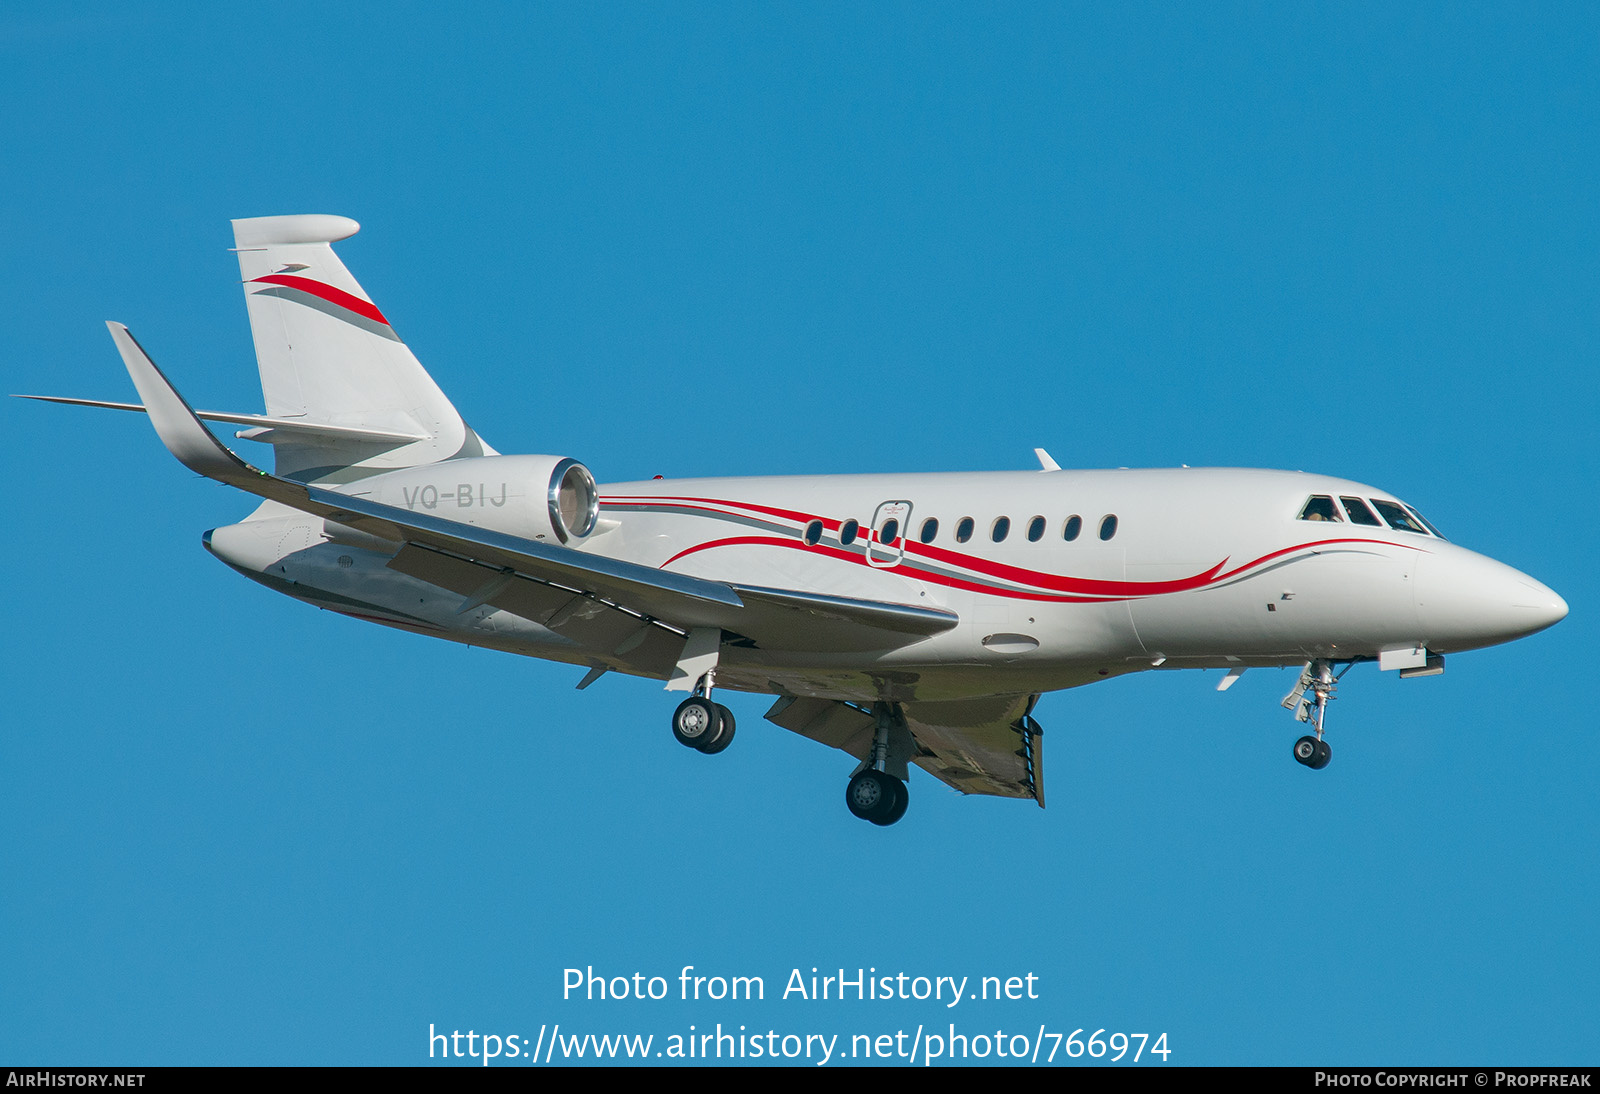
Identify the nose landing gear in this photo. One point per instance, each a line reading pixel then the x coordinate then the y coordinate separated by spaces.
pixel 1312 752
pixel 1309 701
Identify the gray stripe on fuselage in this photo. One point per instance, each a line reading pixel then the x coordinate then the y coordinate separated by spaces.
pixel 1281 563
pixel 686 511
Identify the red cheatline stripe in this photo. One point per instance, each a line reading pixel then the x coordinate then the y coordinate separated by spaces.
pixel 332 295
pixel 1054 582
pixel 1076 590
pixel 904 569
pixel 1123 588
pixel 1020 575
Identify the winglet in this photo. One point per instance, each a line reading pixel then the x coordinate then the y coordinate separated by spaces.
pixel 1045 462
pixel 175 421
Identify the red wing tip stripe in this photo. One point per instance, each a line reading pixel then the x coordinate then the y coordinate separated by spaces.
pixel 364 308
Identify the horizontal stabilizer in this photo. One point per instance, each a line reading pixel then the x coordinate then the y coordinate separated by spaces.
pixel 261 422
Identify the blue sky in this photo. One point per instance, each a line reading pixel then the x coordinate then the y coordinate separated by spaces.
pixel 742 239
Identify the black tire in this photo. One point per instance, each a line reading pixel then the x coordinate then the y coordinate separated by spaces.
pixel 902 798
pixel 877 797
pixel 1324 754
pixel 1306 751
pixel 695 721
pixel 724 736
pixel 869 795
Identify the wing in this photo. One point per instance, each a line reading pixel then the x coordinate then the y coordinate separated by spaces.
pixel 538 579
pixel 984 746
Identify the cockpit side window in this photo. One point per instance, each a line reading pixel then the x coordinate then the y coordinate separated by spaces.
pixel 1359 513
pixel 1320 507
pixel 1398 518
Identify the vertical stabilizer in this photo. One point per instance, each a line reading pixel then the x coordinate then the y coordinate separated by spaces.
pixel 329 357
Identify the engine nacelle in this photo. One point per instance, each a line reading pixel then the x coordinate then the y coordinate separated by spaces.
pixel 548 498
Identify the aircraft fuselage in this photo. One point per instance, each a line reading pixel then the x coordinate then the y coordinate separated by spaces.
pixel 1058 578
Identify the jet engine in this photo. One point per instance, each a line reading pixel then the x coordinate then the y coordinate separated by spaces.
pixel 549 498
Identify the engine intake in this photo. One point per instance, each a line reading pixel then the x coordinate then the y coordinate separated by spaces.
pixel 574 500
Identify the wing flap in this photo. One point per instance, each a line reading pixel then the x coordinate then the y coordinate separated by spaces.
pixel 988 746
pixel 826 721
pixel 618 638
pixel 999 754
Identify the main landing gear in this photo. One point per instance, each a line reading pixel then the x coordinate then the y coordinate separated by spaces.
pixel 873 794
pixel 702 724
pixel 1309 701
pixel 877 796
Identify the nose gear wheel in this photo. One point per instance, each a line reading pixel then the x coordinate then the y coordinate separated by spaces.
pixel 1309 701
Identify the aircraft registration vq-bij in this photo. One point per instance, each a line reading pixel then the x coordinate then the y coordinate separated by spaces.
pixel 902 619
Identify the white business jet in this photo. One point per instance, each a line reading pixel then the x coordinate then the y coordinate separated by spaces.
pixel 903 619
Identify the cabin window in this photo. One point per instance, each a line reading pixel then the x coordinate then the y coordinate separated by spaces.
pixel 1359 513
pixel 1070 530
pixel 889 533
pixel 1108 526
pixel 964 530
pixel 1000 529
pixel 813 533
pixel 847 532
pixel 930 529
pixel 1320 507
pixel 1035 529
pixel 1398 518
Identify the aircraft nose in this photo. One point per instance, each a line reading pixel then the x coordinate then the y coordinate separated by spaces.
pixel 1465 600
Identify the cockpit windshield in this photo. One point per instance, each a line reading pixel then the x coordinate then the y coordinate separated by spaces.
pixel 1359 513
pixel 1402 518
pixel 1399 518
